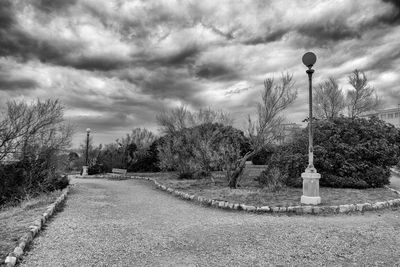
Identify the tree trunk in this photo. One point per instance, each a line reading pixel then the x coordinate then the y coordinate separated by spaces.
pixel 237 173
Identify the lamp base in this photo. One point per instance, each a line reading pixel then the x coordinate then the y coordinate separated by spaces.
pixel 85 170
pixel 310 200
pixel 310 188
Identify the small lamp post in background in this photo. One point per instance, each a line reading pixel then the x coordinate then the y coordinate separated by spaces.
pixel 398 113
pixel 310 176
pixel 86 167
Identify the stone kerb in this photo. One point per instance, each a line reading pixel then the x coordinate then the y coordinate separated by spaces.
pixel 34 229
pixel 296 210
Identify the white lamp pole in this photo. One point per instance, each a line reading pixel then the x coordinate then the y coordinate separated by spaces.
pixel 86 167
pixel 310 176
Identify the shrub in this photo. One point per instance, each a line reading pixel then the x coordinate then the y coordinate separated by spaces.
pixel 185 175
pixel 148 162
pixel 11 182
pixel 96 169
pixel 354 153
pixel 273 179
pixel 57 182
pixel 263 157
pixel 206 147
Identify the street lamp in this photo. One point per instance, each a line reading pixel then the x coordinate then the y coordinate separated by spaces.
pixel 85 168
pixel 310 176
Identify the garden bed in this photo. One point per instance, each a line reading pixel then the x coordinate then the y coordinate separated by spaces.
pixel 251 194
pixel 15 220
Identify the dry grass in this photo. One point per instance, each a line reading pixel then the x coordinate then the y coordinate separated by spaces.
pixel 250 193
pixel 15 220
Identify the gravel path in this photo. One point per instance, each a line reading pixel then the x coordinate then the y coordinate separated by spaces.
pixel 130 223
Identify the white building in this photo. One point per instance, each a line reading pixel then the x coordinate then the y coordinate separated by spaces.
pixel 391 115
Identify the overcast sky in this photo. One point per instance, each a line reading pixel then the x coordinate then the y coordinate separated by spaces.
pixel 115 64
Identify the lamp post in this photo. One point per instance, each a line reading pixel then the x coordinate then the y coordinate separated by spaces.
pixel 398 113
pixel 86 167
pixel 310 175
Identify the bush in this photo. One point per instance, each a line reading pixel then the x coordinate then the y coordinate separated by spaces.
pixel 352 153
pixel 12 179
pixel 272 179
pixel 57 182
pixel 208 147
pixel 17 180
pixel 96 169
pixel 263 157
pixel 149 162
pixel 185 175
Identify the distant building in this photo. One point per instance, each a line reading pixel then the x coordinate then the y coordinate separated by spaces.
pixel 391 115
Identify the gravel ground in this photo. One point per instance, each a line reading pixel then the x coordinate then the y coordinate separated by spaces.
pixel 130 223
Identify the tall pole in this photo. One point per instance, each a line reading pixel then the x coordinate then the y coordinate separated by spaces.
pixel 86 167
pixel 87 147
pixel 310 175
pixel 398 113
pixel 310 167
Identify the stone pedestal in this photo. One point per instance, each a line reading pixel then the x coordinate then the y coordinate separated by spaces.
pixel 310 188
pixel 85 170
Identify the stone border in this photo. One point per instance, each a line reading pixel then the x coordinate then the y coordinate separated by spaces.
pixel 37 225
pixel 299 210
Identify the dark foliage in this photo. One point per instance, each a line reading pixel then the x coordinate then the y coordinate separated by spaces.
pixel 98 168
pixel 352 153
pixel 263 157
pixel 19 179
pixel 148 162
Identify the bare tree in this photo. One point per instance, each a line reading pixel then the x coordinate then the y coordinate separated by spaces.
pixel 26 125
pixel 363 98
pixel 329 100
pixel 265 129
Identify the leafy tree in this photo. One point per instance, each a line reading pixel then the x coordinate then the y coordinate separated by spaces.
pixel 328 100
pixel 363 97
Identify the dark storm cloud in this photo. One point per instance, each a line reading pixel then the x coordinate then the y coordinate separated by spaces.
pixel 168 83
pixel 116 63
pixel 320 35
pixel 95 63
pixel 10 80
pixel 26 46
pixel 186 55
pixel 216 71
pixel 53 5
pixel 384 61
pixel 269 37
pixel 11 84
pixel 6 15
pixel 394 16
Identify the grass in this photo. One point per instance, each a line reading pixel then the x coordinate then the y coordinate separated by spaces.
pixel 251 194
pixel 15 220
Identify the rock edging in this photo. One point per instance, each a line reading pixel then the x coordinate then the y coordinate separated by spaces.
pixel 37 225
pixel 299 210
